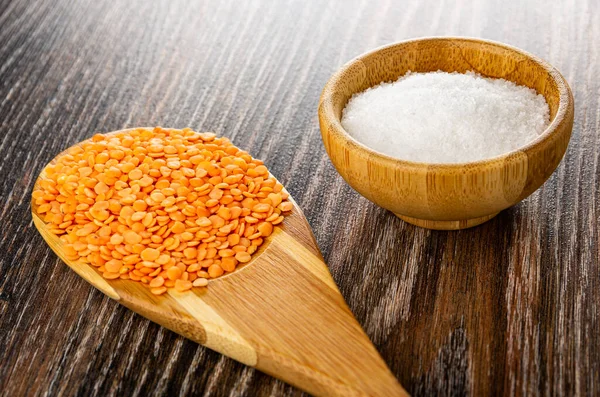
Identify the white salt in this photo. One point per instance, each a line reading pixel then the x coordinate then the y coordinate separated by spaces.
pixel 446 117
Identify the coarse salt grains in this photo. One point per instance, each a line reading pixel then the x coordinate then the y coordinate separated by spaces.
pixel 443 117
pixel 169 208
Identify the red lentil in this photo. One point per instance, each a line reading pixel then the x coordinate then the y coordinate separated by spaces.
pixel 169 208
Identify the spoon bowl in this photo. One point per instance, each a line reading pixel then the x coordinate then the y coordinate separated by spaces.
pixel 281 313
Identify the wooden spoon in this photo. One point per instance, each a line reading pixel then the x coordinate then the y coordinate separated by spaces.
pixel 281 313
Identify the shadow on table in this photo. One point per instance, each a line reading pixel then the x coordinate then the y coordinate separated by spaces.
pixel 434 302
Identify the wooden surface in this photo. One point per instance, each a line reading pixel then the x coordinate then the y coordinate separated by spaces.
pixel 446 196
pixel 281 312
pixel 506 308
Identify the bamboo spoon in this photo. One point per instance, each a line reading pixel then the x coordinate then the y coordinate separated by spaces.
pixel 281 313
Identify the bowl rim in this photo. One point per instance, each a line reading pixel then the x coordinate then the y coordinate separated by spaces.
pixel 565 102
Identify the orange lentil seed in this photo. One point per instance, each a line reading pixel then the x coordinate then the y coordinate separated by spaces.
pixel 183 285
pixel 200 282
pixel 159 290
pixel 243 257
pixel 157 282
pixel 215 271
pixel 169 208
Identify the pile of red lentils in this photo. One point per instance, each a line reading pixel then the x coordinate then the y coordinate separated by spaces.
pixel 166 207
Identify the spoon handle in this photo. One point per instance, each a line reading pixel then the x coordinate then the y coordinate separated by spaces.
pixel 285 316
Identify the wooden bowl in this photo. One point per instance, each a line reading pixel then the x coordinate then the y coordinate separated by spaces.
pixel 446 196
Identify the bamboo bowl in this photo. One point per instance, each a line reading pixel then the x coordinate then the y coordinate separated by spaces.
pixel 446 196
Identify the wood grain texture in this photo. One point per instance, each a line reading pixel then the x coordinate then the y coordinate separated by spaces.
pixel 446 196
pixel 281 312
pixel 506 308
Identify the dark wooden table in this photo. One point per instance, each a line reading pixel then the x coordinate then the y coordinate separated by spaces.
pixel 507 308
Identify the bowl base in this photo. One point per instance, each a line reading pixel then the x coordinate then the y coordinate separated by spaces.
pixel 446 225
